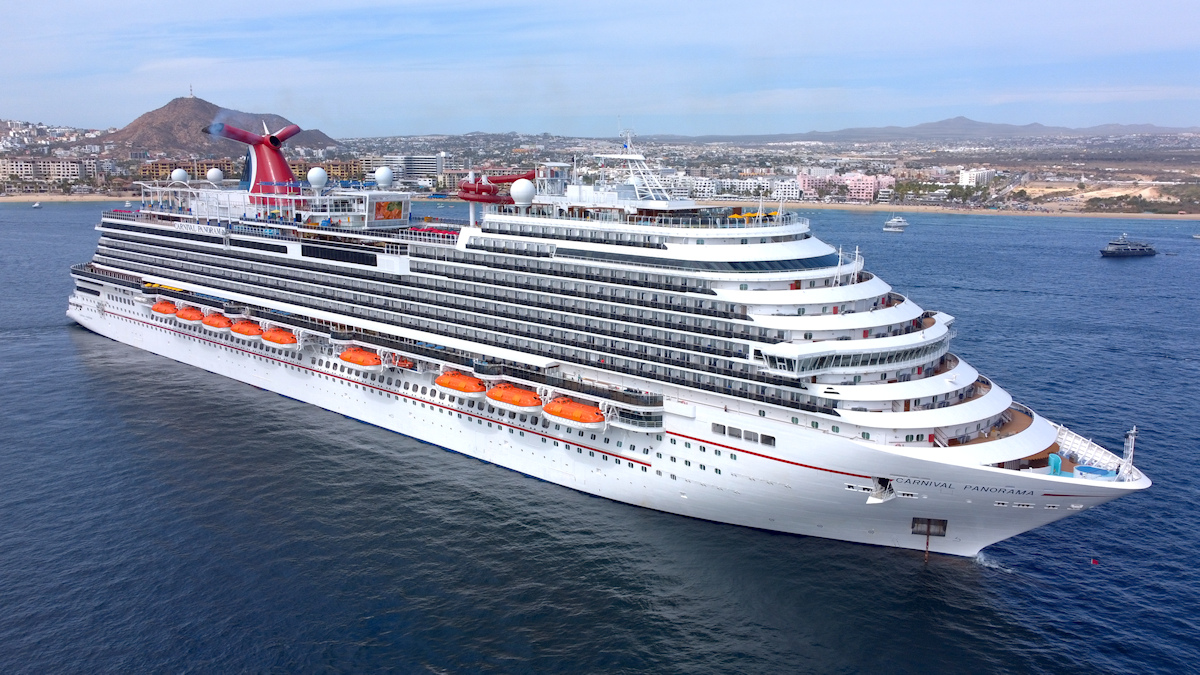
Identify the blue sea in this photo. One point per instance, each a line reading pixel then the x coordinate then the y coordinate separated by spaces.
pixel 158 518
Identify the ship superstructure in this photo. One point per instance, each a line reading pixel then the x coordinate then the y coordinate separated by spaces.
pixel 719 363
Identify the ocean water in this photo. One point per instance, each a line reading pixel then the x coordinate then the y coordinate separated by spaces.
pixel 154 517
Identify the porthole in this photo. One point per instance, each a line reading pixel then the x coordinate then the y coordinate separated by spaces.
pixel 836 429
pixel 866 435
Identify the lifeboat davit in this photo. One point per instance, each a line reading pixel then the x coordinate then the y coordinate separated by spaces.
pixel 190 315
pixel 362 360
pixel 513 398
pixel 164 308
pixel 281 338
pixel 218 323
pixel 574 414
pixel 247 330
pixel 458 384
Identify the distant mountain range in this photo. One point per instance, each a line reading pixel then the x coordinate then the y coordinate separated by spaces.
pixel 176 127
pixel 954 129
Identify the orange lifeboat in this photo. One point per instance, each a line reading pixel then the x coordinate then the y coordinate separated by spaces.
pixel 574 414
pixel 165 308
pixel 218 322
pixel 362 360
pixel 247 330
pixel 513 398
pixel 458 384
pixel 281 338
pixel 402 362
pixel 190 315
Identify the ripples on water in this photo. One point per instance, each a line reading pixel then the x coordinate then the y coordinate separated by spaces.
pixel 159 518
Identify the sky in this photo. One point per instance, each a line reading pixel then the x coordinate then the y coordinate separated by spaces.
pixel 365 68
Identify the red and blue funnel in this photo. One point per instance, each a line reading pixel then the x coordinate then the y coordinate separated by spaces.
pixel 268 171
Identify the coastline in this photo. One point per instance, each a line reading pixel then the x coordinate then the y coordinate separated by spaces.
pixel 31 198
pixel 913 208
pixel 801 206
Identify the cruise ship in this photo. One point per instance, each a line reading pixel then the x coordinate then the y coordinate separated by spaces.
pixel 716 363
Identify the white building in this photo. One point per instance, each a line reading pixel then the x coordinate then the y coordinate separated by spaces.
pixel 975 177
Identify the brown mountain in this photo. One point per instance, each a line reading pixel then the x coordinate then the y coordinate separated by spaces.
pixel 176 127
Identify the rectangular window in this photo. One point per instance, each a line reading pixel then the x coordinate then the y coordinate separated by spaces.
pixel 751 436
pixel 767 440
pixel 734 433
pixel 717 429
pixel 932 527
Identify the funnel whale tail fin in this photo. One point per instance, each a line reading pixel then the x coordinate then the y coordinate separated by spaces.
pixel 268 171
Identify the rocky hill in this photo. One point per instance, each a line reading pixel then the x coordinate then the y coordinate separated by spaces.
pixel 176 127
pixel 954 129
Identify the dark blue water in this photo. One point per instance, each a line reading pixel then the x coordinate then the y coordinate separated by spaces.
pixel 154 517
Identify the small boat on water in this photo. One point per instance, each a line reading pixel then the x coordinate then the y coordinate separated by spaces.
pixel 1122 247
pixel 512 398
pixel 1196 236
pixel 36 205
pixel 569 412
pixel 896 224
pixel 128 204
pixel 460 384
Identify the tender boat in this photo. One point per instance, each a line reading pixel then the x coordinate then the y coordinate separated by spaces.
pixel 512 398
pixel 361 360
pixel 36 205
pixel 460 384
pixel 218 322
pixel 247 330
pixel 572 413
pixel 190 316
pixel 1122 247
pixel 281 338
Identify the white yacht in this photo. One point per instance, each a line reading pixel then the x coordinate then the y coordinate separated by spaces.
pixel 36 205
pixel 607 338
pixel 896 224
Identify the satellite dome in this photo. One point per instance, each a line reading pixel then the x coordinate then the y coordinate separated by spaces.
pixel 383 177
pixel 317 177
pixel 179 175
pixel 215 175
pixel 522 192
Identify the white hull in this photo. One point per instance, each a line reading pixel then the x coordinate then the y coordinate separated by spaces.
pixel 812 483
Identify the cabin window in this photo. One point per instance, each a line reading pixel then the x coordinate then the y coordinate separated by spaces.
pixel 717 471
pixel 717 429
pixel 866 435
pixel 816 424
pixel 751 436
pixel 744 287
pixel 658 455
pixel 687 462
pixel 734 433
pixel 837 430
pixel 767 440
pixel 908 438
